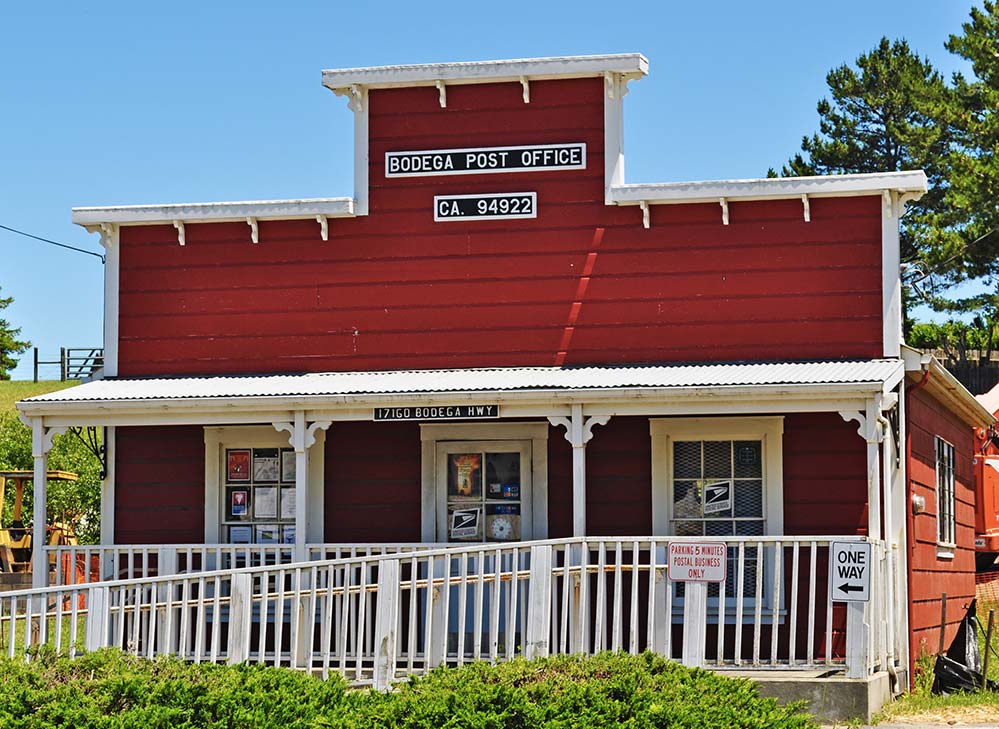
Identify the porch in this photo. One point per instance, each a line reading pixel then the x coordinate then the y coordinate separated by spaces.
pixel 379 613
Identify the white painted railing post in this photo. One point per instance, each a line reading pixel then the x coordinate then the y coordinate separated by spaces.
pixel 695 618
pixel 539 606
pixel 659 586
pixel 438 570
pixel 97 618
pixel 857 640
pixel 240 618
pixel 385 623
pixel 166 564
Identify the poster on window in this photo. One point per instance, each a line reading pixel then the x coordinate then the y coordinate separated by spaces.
pixel 240 534
pixel 237 464
pixel 288 534
pixel 238 502
pixel 266 465
pixel 464 478
pixel 267 533
pixel 287 466
pixel 265 502
pixel 287 503
pixel 465 523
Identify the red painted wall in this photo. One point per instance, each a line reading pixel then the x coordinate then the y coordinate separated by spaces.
pixel 159 485
pixel 930 575
pixel 396 290
pixel 825 476
pixel 373 483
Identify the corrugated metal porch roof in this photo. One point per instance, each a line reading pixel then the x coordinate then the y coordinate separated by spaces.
pixel 681 376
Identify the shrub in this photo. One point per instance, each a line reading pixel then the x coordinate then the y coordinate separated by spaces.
pixel 111 689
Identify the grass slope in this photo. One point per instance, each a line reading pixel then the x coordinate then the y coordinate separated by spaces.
pixel 14 390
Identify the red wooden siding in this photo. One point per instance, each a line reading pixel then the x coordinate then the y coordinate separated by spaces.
pixel 932 576
pixel 825 476
pixel 373 486
pixel 396 290
pixel 160 485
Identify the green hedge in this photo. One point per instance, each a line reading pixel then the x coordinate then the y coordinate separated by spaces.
pixel 109 689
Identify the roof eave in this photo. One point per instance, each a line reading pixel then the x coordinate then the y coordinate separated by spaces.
pixel 912 183
pixel 946 388
pixel 215 212
pixel 630 65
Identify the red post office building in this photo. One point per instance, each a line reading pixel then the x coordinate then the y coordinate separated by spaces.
pixel 499 352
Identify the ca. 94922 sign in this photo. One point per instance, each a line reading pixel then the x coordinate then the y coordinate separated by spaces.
pixel 486 206
pixel 485 160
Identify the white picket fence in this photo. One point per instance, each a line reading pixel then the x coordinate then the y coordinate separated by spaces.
pixel 377 618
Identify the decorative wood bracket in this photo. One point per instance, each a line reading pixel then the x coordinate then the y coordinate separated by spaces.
pixel 42 438
pixel 442 93
pixel 886 194
pixel 527 89
pixel 806 208
pixel 324 226
pixel 578 431
pixel 611 83
pixel 870 433
pixel 724 206
pixel 254 230
pixel 181 238
pixel 644 205
pixel 300 436
pixel 107 231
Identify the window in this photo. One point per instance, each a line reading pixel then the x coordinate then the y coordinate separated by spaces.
pixel 250 492
pixel 486 494
pixel 258 501
pixel 484 482
pixel 719 478
pixel 945 493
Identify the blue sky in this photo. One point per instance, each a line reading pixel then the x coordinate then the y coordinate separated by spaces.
pixel 107 103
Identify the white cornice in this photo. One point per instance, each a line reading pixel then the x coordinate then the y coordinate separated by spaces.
pixel 216 212
pixel 630 65
pixel 665 193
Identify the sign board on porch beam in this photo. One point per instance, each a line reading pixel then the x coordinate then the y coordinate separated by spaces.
pixel 438 412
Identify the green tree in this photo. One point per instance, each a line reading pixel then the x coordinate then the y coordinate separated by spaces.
pixel 885 115
pixel 972 196
pixel 10 346
pixel 75 503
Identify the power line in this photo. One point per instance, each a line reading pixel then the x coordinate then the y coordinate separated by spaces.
pixel 52 242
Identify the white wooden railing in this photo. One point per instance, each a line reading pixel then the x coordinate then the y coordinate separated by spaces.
pixel 377 618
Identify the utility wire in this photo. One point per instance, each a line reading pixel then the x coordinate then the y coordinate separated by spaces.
pixel 55 243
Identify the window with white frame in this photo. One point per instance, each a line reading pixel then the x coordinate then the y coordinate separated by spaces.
pixel 484 482
pixel 250 486
pixel 945 493
pixel 719 479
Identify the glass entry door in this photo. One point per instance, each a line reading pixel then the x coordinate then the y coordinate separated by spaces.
pixel 484 491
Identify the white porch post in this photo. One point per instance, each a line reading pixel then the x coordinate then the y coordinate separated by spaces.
pixel 578 431
pixel 302 437
pixel 41 443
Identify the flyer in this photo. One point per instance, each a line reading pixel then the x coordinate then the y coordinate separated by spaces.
pixel 267 533
pixel 288 535
pixel 240 535
pixel 288 503
pixel 265 465
pixel 465 477
pixel 465 523
pixel 238 503
pixel 237 465
pixel 288 466
pixel 265 502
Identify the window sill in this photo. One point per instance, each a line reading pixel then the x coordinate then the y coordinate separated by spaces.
pixel 945 551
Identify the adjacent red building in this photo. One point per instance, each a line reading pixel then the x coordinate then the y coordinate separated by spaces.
pixel 497 339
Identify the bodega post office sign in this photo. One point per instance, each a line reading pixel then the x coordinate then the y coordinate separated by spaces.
pixel 485 160
pixel 438 412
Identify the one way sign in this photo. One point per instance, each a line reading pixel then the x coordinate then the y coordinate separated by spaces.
pixel 850 571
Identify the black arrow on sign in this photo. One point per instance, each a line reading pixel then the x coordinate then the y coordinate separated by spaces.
pixel 850 588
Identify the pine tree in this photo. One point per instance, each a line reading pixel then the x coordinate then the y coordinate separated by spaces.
pixel 10 346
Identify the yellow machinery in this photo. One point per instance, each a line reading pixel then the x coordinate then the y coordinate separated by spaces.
pixel 15 541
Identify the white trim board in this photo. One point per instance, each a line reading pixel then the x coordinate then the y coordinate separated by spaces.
pixel 216 212
pixel 632 65
pixel 672 193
